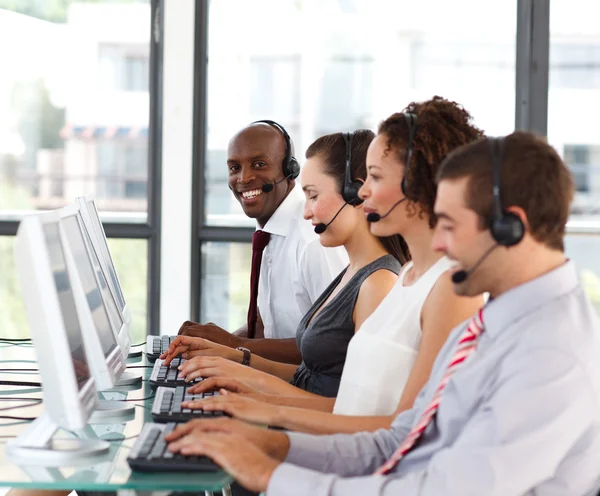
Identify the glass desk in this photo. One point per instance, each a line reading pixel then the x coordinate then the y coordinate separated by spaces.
pixel 109 472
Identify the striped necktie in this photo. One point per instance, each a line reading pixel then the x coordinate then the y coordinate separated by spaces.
pixel 466 345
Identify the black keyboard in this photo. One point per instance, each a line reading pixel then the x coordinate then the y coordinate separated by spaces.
pixel 157 345
pixel 167 405
pixel 167 376
pixel 150 454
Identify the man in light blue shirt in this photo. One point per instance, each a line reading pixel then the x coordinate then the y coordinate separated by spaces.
pixel 521 415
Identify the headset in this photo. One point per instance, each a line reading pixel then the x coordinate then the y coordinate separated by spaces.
pixel 290 166
pixel 411 123
pixel 351 186
pixel 507 228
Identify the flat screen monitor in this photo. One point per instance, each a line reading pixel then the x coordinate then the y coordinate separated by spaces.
pixel 93 225
pixel 106 356
pixel 49 292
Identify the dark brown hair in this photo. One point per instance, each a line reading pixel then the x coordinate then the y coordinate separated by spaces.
pixel 332 150
pixel 441 126
pixel 532 176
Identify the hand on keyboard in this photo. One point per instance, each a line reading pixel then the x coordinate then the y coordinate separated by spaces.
pixel 150 454
pixel 189 347
pixel 219 367
pixel 212 333
pixel 237 406
pixel 231 385
pixel 239 449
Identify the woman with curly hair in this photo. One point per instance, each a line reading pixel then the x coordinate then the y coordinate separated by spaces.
pixel 390 357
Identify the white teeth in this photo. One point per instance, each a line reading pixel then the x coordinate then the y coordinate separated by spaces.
pixel 251 194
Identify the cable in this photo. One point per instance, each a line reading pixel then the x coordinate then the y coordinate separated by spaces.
pixel 15 340
pixel 121 440
pixel 2 398
pixel 139 344
pixel 20 383
pixel 10 417
pixel 136 367
pixel 18 361
pixel 140 399
pixel 19 370
pixel 8 424
pixel 33 403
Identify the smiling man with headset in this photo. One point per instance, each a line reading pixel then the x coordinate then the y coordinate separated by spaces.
pixel 512 406
pixel 290 268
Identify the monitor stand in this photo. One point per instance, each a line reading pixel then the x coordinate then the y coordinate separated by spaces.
pixel 112 411
pixel 128 379
pixel 134 354
pixel 35 446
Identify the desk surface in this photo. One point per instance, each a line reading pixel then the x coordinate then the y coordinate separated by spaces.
pixel 110 472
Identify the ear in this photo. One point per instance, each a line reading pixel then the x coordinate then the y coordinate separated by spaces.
pixel 520 213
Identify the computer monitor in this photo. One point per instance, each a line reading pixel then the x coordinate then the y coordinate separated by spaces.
pixel 106 356
pixel 69 391
pixel 93 224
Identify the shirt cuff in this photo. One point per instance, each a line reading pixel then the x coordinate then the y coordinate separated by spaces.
pixel 289 480
pixel 306 451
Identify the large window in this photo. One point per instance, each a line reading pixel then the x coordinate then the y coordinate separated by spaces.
pixel 225 283
pixel 74 117
pixel 573 103
pixel 13 320
pixel 369 61
pixel 320 67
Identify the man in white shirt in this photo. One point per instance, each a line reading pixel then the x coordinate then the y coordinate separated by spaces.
pixel 512 406
pixel 295 268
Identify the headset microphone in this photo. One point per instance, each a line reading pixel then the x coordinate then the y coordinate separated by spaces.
pixel 320 228
pixel 375 217
pixel 267 188
pixel 461 275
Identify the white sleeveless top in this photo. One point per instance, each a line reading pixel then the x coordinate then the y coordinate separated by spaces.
pixel 382 352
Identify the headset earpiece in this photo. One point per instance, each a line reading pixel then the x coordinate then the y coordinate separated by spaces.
pixel 351 186
pixel 290 166
pixel 507 228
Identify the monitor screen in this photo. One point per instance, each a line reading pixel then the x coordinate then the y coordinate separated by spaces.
pixel 112 273
pixel 67 302
pixel 102 307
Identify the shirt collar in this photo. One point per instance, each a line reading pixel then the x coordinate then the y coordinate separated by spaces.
pixel 518 302
pixel 282 219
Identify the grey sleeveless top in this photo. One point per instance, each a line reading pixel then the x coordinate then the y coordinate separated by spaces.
pixel 323 343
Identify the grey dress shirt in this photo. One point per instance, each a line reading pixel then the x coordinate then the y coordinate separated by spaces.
pixel 520 416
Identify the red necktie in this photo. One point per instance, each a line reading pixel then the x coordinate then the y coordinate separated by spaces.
pixel 260 239
pixel 466 345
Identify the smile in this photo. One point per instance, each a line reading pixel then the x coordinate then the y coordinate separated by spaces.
pixel 248 195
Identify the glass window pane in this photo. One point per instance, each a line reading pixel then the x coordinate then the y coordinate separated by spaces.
pixel 225 285
pixel 130 258
pixel 74 105
pixel 330 66
pixel 574 90
pixel 583 249
pixel 13 320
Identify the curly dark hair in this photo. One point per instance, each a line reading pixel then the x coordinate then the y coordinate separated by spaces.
pixel 441 127
pixel 332 150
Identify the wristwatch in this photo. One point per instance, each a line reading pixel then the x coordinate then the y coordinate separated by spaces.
pixel 246 357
